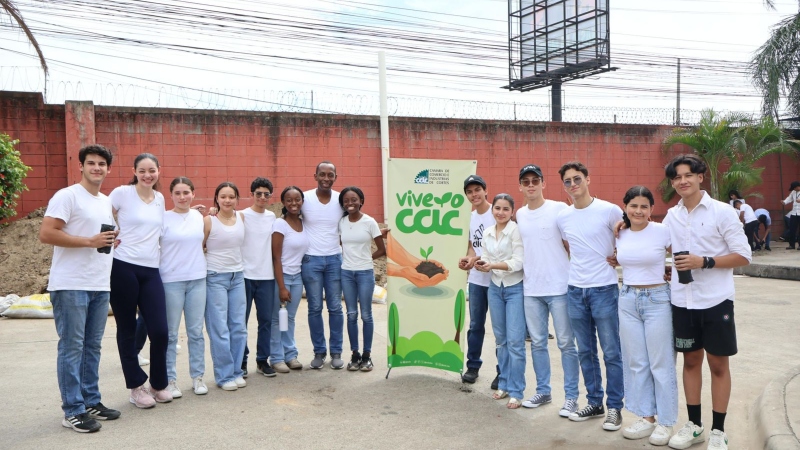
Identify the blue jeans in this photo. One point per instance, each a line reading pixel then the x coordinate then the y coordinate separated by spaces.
pixel 262 293
pixel 508 323
pixel 358 286
pixel 225 311
pixel 537 310
pixel 189 298
pixel 594 310
pixel 648 355
pixel 282 344
pixel 320 272
pixel 478 306
pixel 80 318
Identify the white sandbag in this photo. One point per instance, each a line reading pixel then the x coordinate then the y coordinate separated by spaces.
pixel 7 301
pixel 35 306
pixel 379 295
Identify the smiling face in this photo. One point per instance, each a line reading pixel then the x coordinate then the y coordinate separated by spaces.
pixel 531 186
pixel 578 183
pixel 476 194
pixel 685 182
pixel 146 172
pixel 502 210
pixel 226 198
pixel 182 196
pixel 638 211
pixel 293 201
pixel 261 197
pixel 325 176
pixel 94 169
pixel 351 202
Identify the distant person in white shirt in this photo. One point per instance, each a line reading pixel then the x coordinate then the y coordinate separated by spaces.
pixel 546 272
pixel 502 257
pixel 322 266
pixel 478 282
pixel 702 310
pixel 763 219
pixel 588 227
pixel 794 215
pixel 734 195
pixel 79 287
pixel 748 217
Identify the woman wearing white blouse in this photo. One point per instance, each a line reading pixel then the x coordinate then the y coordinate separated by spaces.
pixel 502 256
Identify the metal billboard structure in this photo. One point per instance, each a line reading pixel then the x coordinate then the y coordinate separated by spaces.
pixel 553 41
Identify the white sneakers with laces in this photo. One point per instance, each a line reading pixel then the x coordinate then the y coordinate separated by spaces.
pixel 687 436
pixel 660 435
pixel 199 387
pixel 640 429
pixel 717 440
pixel 172 387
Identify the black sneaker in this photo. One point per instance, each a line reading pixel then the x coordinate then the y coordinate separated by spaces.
pixel 613 420
pixel 589 412
pixel 81 423
pixel 495 382
pixel 790 247
pixel 355 362
pixel 100 412
pixel 366 362
pixel 244 370
pixel 265 369
pixel 470 376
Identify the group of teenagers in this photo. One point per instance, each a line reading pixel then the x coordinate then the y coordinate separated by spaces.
pixel 128 250
pixel 754 219
pixel 548 258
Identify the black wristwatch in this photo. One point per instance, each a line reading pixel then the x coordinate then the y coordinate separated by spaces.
pixel 708 262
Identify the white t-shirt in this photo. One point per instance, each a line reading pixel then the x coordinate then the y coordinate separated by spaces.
pixel 478 223
pixel 139 226
pixel 357 239
pixel 749 214
pixel 546 263
pixel 641 254
pixel 257 248
pixel 321 222
pixel 182 257
pixel 80 269
pixel 295 246
pixel 590 234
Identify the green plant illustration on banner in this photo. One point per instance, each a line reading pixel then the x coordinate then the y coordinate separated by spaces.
pixel 427 348
pixel 424 253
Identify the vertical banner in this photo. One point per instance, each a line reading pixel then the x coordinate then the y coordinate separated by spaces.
pixel 429 221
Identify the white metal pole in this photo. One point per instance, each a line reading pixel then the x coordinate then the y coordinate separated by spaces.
pixel 384 133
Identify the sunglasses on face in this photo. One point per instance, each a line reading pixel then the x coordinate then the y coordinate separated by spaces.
pixel 263 194
pixel 529 182
pixel 568 182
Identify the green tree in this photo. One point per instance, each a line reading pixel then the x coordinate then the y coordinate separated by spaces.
pixel 460 312
pixel 16 17
pixel 394 327
pixel 12 172
pixel 774 66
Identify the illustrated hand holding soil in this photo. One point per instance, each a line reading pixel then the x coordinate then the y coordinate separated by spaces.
pixel 422 273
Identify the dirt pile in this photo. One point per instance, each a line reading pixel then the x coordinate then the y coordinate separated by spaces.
pixel 24 261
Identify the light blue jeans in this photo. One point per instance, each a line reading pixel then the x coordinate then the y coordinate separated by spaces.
pixel 189 298
pixel 282 345
pixel 320 272
pixel 225 324
pixel 648 356
pixel 537 312
pixel 593 315
pixel 358 286
pixel 80 318
pixel 508 322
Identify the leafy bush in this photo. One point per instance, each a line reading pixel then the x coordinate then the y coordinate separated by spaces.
pixel 12 172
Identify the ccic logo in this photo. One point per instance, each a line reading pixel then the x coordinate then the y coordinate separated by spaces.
pixel 422 177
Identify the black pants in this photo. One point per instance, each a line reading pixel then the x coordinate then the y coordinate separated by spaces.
pixel 750 229
pixel 135 286
pixel 794 222
pixel 141 333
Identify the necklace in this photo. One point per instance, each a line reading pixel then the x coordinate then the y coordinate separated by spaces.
pixel 227 219
pixel 184 215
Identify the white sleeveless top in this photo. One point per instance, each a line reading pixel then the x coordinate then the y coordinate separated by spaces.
pixel 224 246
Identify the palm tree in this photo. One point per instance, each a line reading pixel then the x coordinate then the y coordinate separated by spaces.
pixel 10 9
pixel 774 67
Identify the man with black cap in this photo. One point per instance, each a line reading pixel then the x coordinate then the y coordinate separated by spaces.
pixel 480 220
pixel 546 267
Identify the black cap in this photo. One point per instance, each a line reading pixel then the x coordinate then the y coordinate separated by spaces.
pixel 474 179
pixel 531 168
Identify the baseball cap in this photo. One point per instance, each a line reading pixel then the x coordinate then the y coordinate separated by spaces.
pixel 474 179
pixel 531 168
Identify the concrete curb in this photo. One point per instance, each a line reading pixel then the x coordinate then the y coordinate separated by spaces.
pixel 773 430
pixel 769 271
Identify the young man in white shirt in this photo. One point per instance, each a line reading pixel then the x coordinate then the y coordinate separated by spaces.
pixel 478 282
pixel 748 217
pixel 322 265
pixel 593 291
pixel 79 285
pixel 763 219
pixel 794 215
pixel 545 282
pixel 702 310
pixel 259 277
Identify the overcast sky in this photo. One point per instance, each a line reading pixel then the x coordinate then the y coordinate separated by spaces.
pixel 461 54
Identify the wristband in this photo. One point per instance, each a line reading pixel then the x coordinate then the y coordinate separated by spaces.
pixel 705 262
pixel 711 263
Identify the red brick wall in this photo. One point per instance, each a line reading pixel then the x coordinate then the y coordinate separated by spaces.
pixel 214 146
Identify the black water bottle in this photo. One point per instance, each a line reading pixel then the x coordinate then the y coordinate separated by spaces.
pixel 684 276
pixel 103 229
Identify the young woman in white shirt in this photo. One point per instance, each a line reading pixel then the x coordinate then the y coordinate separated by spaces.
pixel 183 271
pixel 136 282
pixel 289 245
pixel 225 294
pixel 357 232
pixel 645 321
pixel 502 256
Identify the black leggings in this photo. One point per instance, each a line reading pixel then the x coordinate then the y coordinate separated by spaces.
pixel 135 286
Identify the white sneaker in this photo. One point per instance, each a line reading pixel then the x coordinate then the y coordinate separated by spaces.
pixel 640 429
pixel 177 349
pixel 240 382
pixel 199 387
pixel 660 435
pixel 143 361
pixel 687 436
pixel 717 440
pixel 229 386
pixel 172 387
